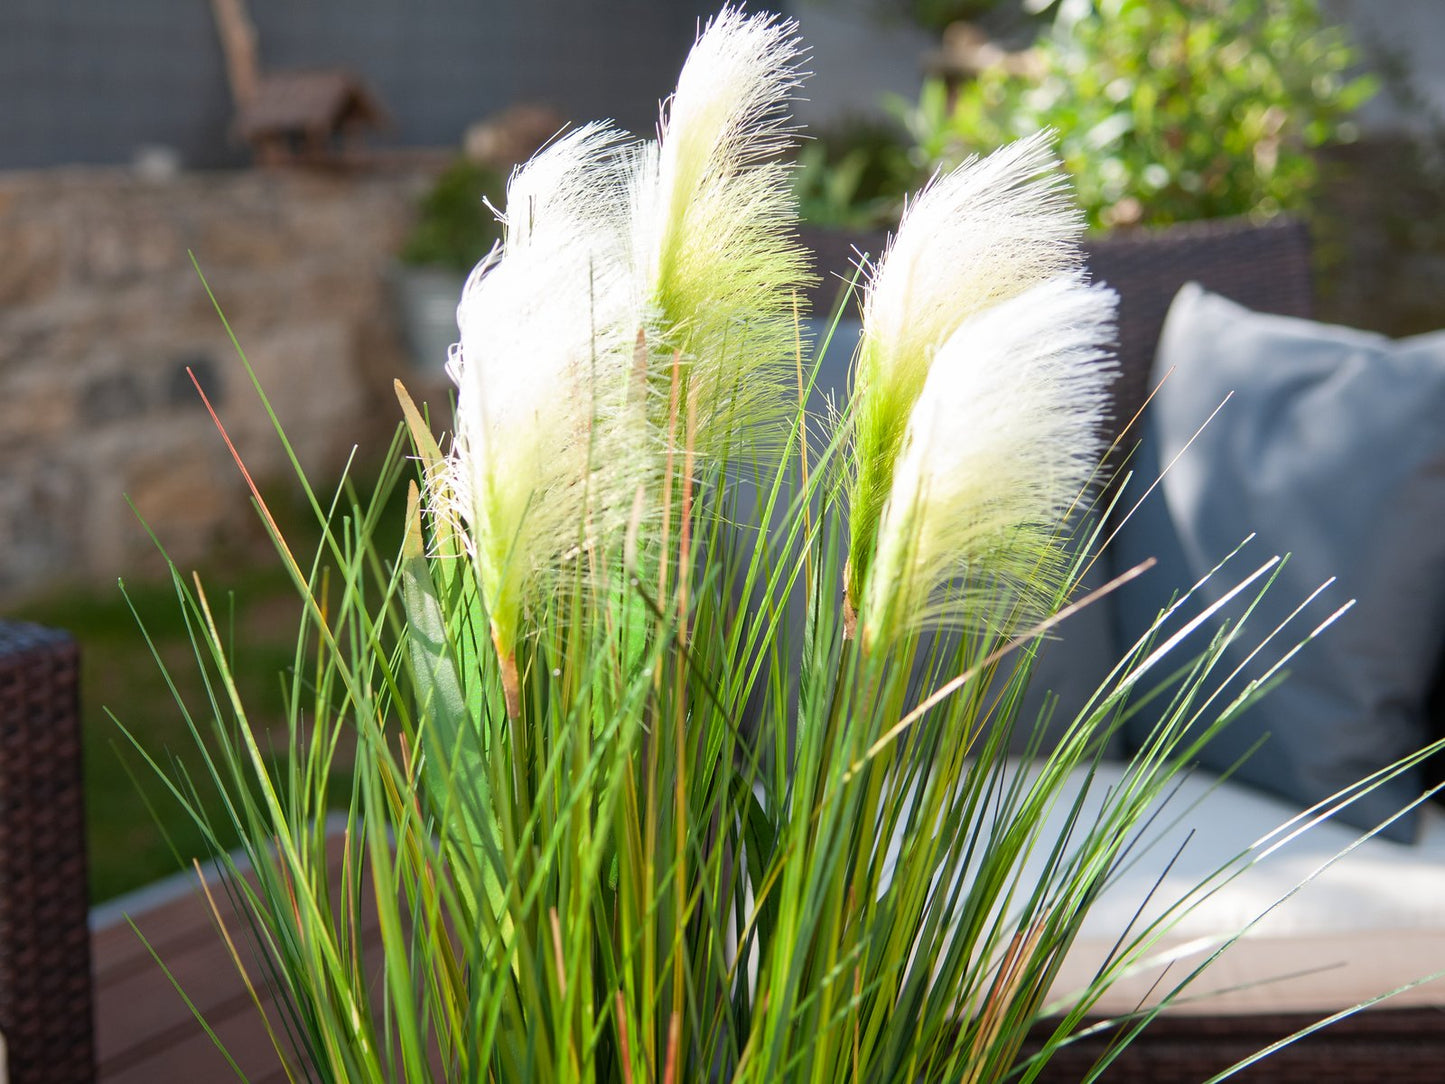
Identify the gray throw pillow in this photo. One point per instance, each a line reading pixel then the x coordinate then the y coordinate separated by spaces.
pixel 1332 449
pixel 1069 667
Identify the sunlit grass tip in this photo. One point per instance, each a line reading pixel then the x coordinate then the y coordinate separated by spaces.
pixel 713 216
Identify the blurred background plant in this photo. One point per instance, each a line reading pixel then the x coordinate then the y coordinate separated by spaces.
pixel 940 14
pixel 454 228
pixel 1167 111
pixel 853 176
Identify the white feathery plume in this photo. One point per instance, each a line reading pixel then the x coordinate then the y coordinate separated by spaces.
pixel 983 233
pixel 543 450
pixel 712 219
pixel 1002 440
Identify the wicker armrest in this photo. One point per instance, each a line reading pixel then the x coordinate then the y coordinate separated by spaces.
pixel 1402 1046
pixel 1266 267
pixel 45 981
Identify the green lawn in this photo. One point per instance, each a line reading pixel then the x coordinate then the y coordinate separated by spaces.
pixel 138 832
pixel 123 687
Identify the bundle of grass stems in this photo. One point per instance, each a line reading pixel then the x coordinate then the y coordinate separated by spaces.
pixel 675 730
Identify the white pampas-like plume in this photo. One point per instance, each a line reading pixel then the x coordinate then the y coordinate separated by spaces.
pixel 712 219
pixel 1002 440
pixel 986 232
pixel 543 446
pixel 982 233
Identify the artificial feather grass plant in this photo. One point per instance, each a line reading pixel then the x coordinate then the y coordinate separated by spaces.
pixel 601 830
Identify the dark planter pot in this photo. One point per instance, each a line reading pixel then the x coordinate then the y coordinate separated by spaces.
pixel 1265 266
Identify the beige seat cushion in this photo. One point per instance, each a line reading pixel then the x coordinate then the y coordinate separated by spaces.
pixel 1300 974
pixel 1367 922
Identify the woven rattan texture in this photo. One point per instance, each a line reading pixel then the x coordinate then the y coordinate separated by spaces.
pixel 1265 267
pixel 45 982
pixel 1382 1046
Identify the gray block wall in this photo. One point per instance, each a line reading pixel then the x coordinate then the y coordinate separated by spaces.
pixel 90 81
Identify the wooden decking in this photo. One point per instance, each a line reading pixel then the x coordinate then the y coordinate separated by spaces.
pixel 145 1032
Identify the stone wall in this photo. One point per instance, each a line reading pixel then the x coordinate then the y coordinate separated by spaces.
pixel 102 314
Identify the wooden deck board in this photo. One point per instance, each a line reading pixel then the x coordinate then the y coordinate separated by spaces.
pixel 145 1031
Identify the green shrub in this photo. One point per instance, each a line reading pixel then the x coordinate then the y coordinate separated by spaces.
pixel 937 14
pixel 855 176
pixel 1167 110
pixel 455 228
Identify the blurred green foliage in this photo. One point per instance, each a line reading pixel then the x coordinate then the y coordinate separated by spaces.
pixel 854 176
pixel 136 832
pixel 936 14
pixel 455 228
pixel 1167 110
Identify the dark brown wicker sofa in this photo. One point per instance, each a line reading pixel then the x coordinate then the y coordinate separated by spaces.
pixel 45 979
